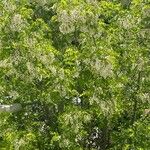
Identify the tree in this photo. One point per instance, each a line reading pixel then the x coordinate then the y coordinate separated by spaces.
pixel 80 71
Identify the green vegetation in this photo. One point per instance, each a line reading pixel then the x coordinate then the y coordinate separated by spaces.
pixel 80 70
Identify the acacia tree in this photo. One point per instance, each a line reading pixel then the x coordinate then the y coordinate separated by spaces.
pixel 80 70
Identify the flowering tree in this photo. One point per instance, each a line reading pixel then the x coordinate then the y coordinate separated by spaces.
pixel 80 71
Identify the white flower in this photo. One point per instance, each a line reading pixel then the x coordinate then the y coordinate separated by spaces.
pixel 84 29
pixel 91 1
pixel 66 28
pixel 76 74
pixel 74 15
pixel 10 108
pixel 146 12
pixel 76 100
pixel 64 17
pixel 68 20
pixel 94 99
pixel 61 73
pixel 14 94
pixel 16 23
pixel 30 67
pixel 86 61
pixel 31 42
pixel 141 63
pixel 87 117
pixel 105 70
pixel 53 70
pixel 129 22
pixel 5 63
pixel 42 2
pixel 9 6
pixel 145 97
pixel 105 107
pixel 16 57
pixel 18 143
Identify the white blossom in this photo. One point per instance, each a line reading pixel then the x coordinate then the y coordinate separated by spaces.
pixel 140 63
pixel 63 17
pixel 66 28
pixel 30 67
pixel 68 20
pixel 46 59
pixel 145 97
pixel 14 94
pixel 87 118
pixel 10 108
pixel 106 107
pixel 128 22
pixel 146 12
pixel 16 23
pixel 74 15
pixel 92 1
pixel 61 73
pixel 18 143
pixel 5 63
pixel 41 2
pixel 76 74
pixel 31 42
pixel 105 70
pixel 9 6
pixel 53 70
pixel 16 57
pixel 84 29
pixel 76 100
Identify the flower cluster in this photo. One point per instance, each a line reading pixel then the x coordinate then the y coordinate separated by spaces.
pixel 68 20
pixel 146 12
pixel 17 23
pixel 13 94
pixel 9 6
pixel 102 68
pixel 78 17
pixel 129 22
pixel 5 63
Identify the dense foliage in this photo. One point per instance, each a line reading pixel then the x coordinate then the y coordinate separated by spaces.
pixel 81 71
